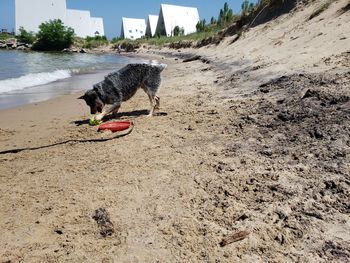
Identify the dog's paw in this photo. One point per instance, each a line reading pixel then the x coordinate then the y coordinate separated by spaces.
pixel 157 99
pixel 99 117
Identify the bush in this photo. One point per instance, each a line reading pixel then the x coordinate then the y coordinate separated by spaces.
pixel 4 36
pixel 94 42
pixel 98 38
pixel 54 36
pixel 116 39
pixel 178 31
pixel 25 36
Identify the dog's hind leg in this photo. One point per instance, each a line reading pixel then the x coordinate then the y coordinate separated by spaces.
pixel 157 102
pixel 153 99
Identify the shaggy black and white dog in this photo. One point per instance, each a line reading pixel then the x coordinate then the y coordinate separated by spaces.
pixel 121 85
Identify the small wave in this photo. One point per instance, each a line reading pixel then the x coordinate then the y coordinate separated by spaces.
pixel 34 79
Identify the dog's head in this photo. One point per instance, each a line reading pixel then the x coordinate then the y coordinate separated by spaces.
pixel 93 100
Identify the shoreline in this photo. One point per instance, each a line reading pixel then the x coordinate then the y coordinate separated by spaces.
pixel 74 83
pixel 37 94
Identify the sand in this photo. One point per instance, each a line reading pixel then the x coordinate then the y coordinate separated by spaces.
pixel 251 148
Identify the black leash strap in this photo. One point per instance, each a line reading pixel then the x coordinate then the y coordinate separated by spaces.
pixel 68 141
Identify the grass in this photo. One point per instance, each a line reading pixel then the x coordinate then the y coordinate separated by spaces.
pixel 164 41
pixel 90 42
pixel 5 36
pixel 320 9
pixel 95 43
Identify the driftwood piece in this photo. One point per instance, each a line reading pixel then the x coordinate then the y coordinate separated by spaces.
pixel 234 237
pixel 101 217
pixel 192 59
pixel 197 57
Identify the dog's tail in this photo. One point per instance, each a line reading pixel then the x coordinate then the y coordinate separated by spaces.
pixel 160 66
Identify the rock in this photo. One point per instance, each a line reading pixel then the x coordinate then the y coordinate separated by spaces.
pixel 83 51
pixel 102 219
pixel 316 133
pixel 71 50
pixel 11 43
pixel 21 48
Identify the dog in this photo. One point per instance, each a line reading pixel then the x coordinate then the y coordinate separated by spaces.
pixel 121 85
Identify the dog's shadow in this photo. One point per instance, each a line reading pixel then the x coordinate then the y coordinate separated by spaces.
pixel 135 113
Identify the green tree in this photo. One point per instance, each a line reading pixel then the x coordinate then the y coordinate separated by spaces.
pixel 178 31
pixel 221 19
pixel 225 15
pixel 25 36
pixel 201 25
pixel 54 36
pixel 247 7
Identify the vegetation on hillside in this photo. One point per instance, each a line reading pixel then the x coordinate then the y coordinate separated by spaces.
pixel 94 42
pixel 205 32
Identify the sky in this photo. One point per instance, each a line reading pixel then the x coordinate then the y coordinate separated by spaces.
pixel 112 11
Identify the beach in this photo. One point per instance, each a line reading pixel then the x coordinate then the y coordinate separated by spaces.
pixel 251 140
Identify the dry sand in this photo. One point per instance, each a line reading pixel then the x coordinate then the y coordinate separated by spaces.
pixel 255 141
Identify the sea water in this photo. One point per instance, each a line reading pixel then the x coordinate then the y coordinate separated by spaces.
pixel 29 77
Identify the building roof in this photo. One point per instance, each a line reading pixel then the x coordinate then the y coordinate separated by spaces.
pixel 173 15
pixel 151 25
pixel 133 28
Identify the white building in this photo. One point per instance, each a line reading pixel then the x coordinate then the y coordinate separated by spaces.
pixel 151 25
pixel 97 26
pixel 171 16
pixel 133 28
pixel 31 13
pixel 79 17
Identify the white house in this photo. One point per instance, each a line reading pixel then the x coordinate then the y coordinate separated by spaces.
pixel 31 13
pixel 97 26
pixel 133 28
pixel 151 25
pixel 79 17
pixel 173 15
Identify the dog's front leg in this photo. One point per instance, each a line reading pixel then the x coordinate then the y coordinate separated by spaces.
pixel 113 109
pixel 155 103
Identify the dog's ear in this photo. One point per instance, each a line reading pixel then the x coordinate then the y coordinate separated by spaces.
pixel 81 97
